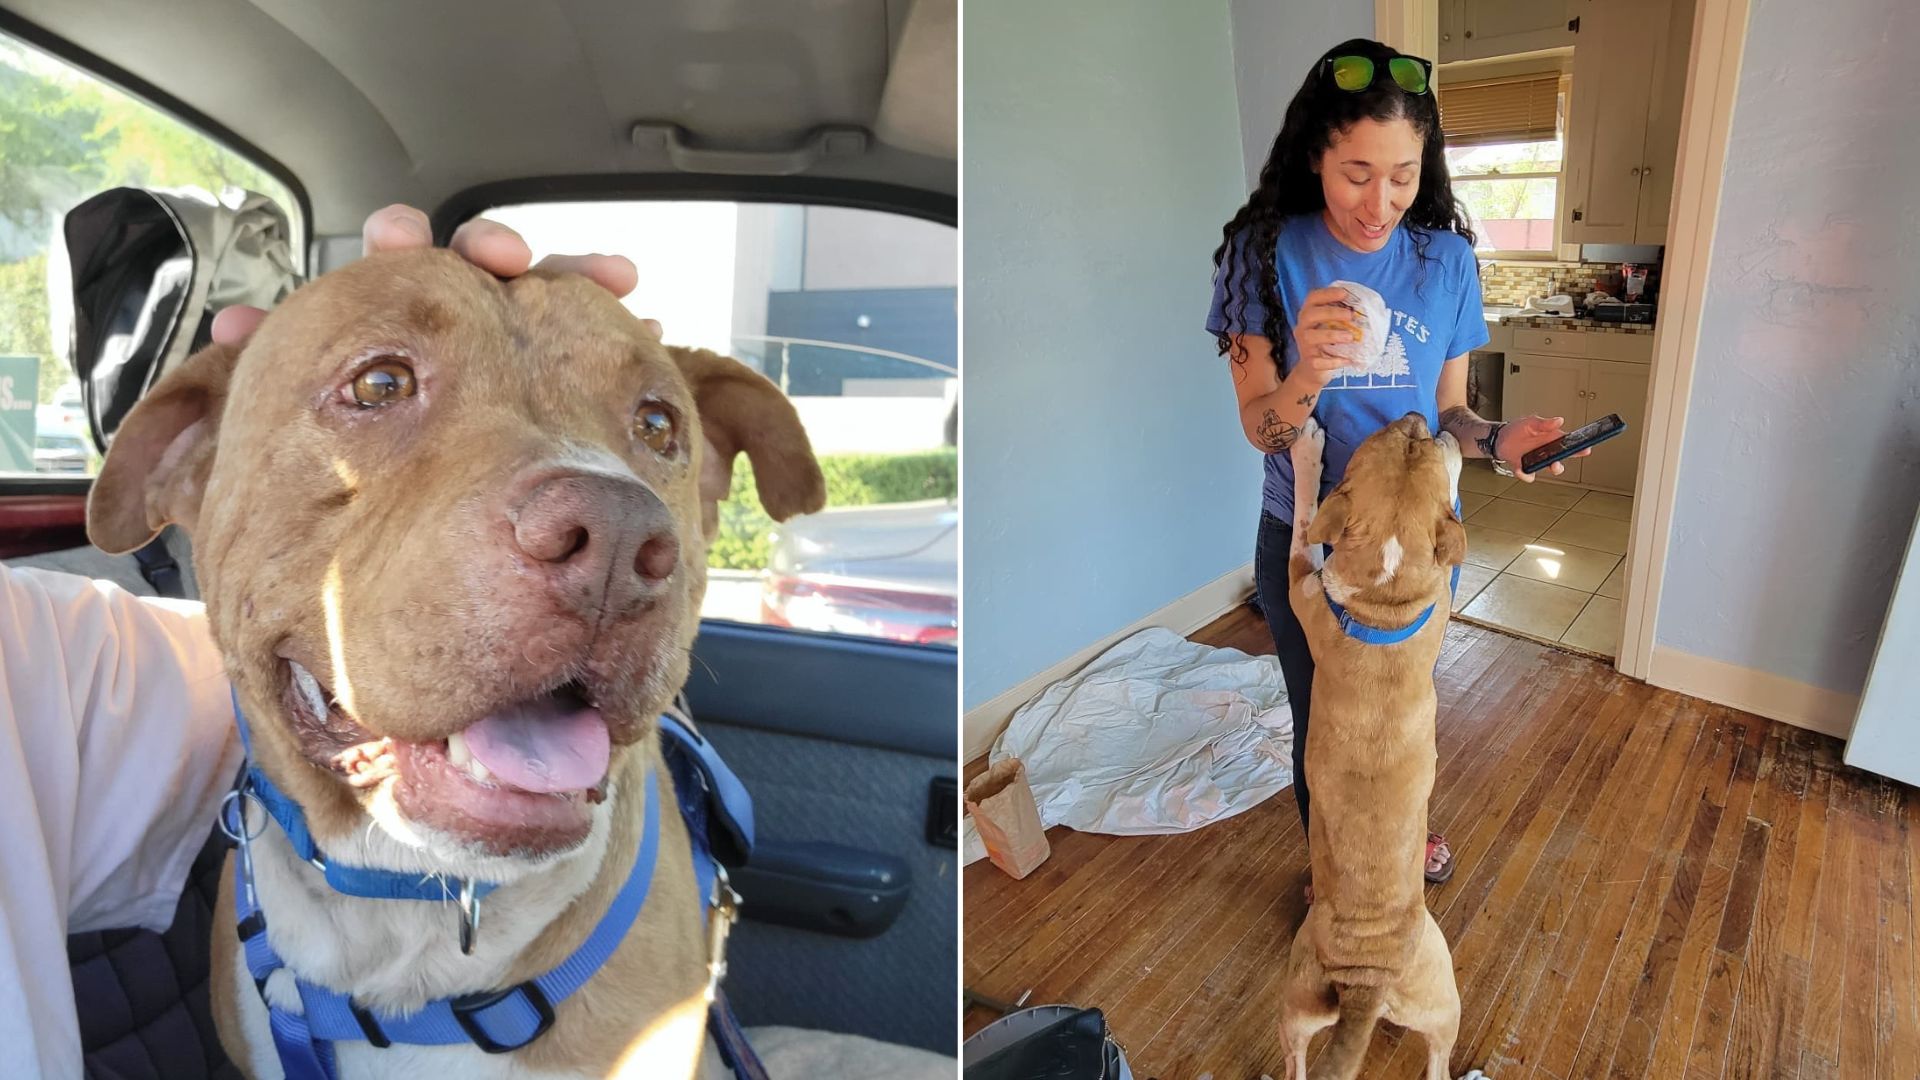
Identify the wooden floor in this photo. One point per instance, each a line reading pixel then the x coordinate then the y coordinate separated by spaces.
pixel 1648 885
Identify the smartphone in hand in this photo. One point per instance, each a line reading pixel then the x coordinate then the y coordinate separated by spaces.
pixel 1572 443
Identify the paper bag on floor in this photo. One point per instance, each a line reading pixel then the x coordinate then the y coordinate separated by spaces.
pixel 1003 809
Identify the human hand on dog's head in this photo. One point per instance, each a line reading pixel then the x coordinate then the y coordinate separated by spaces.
pixel 499 251
pixel 488 245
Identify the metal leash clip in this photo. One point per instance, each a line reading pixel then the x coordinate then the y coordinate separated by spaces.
pixel 469 916
pixel 723 911
pixel 233 823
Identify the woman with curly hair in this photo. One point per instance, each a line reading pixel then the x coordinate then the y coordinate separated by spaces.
pixel 1354 191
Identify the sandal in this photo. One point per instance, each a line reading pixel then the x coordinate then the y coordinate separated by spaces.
pixel 1435 843
pixel 1437 849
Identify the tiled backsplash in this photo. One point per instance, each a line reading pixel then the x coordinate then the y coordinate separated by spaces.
pixel 1514 282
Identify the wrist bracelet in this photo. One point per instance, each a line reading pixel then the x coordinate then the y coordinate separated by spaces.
pixel 1490 446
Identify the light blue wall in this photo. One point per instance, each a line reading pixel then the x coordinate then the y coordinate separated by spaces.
pixel 1105 471
pixel 1274 42
pixel 1800 472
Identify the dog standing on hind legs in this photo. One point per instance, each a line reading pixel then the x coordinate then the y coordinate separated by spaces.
pixel 1374 617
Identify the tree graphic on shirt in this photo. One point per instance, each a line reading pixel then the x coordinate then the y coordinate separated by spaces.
pixel 1391 362
pixel 1393 359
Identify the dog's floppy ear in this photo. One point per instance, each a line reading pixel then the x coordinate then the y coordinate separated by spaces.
pixel 1449 540
pixel 157 466
pixel 740 410
pixel 1331 519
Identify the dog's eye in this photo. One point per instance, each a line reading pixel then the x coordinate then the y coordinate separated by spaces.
pixel 654 424
pixel 383 384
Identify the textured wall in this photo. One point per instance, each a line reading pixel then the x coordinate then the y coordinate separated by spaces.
pixel 1800 471
pixel 1105 472
pixel 1274 43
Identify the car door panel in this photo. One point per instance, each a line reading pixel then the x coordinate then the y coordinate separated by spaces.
pixel 839 740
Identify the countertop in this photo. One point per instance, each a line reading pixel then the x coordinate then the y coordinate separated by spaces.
pixel 1506 316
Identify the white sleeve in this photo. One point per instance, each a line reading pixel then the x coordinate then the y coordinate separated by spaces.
pixel 122 741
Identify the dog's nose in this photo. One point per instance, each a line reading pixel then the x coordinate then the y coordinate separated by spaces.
pixel 1416 424
pixel 602 541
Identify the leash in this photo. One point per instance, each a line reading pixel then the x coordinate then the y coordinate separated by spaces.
pixel 158 567
pixel 718 814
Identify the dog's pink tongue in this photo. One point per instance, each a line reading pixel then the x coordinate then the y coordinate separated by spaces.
pixel 543 745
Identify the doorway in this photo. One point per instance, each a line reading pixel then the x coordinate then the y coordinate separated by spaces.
pixel 1587 140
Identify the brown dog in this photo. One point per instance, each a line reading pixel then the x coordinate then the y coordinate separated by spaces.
pixel 1369 948
pixel 452 540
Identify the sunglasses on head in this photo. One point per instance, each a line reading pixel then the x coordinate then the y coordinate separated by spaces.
pixel 1356 73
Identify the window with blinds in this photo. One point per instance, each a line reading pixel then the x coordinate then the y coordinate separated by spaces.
pixel 1504 155
pixel 1524 108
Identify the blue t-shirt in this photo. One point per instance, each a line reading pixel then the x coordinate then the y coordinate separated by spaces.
pixel 1437 315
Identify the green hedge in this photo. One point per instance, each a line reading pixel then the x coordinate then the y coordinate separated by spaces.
pixel 852 480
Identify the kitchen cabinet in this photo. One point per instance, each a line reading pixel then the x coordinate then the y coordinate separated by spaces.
pixel 1673 51
pixel 1613 387
pixel 1538 385
pixel 1623 129
pixel 1478 29
pixel 1582 390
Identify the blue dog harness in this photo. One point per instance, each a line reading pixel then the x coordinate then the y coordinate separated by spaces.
pixel 719 817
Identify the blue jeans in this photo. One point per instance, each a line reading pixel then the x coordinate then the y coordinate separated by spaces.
pixel 1270 587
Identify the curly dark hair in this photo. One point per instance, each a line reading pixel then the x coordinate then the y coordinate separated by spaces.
pixel 1288 185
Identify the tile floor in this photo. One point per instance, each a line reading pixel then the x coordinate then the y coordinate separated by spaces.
pixel 1543 559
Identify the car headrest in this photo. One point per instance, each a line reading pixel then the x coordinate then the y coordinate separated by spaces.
pixel 136 275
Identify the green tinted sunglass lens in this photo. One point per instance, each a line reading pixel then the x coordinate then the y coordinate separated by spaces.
pixel 1409 74
pixel 1352 72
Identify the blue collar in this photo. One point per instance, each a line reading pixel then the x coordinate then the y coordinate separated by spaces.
pixel 718 815
pixel 1369 635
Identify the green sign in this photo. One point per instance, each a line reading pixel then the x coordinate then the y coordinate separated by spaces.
pixel 19 392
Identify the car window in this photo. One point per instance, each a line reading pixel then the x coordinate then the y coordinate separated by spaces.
pixel 853 314
pixel 65 136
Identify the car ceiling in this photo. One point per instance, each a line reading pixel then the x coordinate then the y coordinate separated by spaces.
pixel 369 102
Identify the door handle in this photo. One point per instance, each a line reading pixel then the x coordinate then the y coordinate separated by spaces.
pixel 827 888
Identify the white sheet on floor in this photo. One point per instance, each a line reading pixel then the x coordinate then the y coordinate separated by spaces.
pixel 1155 735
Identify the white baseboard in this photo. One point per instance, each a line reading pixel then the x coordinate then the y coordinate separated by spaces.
pixel 983 723
pixel 1763 693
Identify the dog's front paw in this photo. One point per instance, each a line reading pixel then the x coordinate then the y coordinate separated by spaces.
pixel 1450 453
pixel 1309 449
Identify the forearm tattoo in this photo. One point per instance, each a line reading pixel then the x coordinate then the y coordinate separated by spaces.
pixel 1275 434
pixel 1469 428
